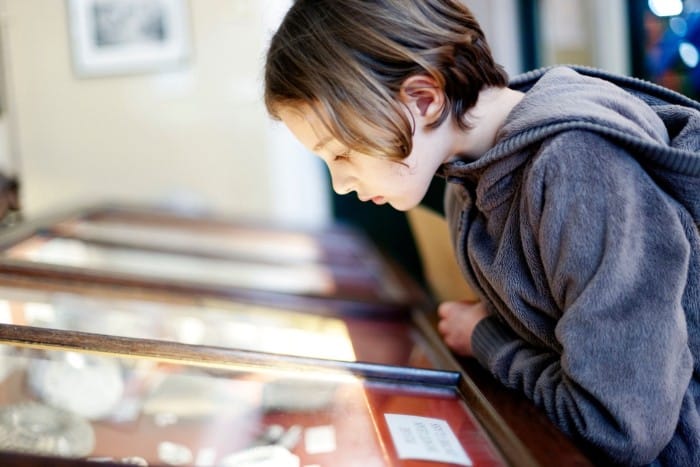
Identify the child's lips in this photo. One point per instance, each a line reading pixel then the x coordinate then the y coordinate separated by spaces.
pixel 374 199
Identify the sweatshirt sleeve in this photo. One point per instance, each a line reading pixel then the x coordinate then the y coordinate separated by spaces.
pixel 615 256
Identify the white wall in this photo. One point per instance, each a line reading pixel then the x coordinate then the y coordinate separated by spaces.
pixel 611 49
pixel 197 136
pixel 499 20
pixel 301 191
pixel 586 32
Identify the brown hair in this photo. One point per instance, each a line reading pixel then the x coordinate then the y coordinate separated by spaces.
pixel 347 59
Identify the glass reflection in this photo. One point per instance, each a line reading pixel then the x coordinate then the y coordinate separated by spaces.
pixel 232 325
pixel 286 278
pixel 71 404
pixel 147 412
pixel 261 244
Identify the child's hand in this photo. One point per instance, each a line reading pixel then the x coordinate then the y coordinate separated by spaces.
pixel 457 323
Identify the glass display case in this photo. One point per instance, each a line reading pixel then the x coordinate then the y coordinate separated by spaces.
pixel 71 396
pixel 219 323
pixel 136 336
pixel 266 264
pixel 170 231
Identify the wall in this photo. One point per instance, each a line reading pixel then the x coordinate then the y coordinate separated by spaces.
pixel 585 32
pixel 499 20
pixel 195 137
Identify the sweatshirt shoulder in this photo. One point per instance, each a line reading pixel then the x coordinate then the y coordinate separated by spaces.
pixel 578 168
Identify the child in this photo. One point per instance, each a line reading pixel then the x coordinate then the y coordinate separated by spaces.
pixel 571 213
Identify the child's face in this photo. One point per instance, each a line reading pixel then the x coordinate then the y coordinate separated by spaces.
pixel 403 185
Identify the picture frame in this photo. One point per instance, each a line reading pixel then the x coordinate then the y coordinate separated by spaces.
pixel 116 37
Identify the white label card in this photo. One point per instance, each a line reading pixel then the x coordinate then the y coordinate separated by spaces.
pixel 319 439
pixel 425 438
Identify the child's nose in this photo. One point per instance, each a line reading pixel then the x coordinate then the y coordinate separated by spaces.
pixel 341 184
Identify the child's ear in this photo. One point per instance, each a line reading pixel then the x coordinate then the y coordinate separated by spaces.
pixel 423 96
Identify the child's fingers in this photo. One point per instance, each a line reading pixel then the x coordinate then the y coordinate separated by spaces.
pixel 446 308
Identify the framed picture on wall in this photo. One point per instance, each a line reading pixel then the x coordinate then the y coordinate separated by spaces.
pixel 111 37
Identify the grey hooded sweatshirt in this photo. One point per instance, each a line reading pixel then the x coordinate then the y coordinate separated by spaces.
pixel 585 249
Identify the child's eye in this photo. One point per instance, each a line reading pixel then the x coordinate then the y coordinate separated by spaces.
pixel 342 156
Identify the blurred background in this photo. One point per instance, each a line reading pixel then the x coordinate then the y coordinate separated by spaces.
pixel 159 101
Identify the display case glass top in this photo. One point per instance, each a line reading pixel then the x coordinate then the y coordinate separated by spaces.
pixel 152 411
pixel 199 255
pixel 220 323
pixel 152 338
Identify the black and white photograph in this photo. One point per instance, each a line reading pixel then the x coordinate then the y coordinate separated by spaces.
pixel 112 37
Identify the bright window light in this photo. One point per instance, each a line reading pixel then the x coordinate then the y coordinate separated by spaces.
pixel 666 7
pixel 689 54
pixel 679 26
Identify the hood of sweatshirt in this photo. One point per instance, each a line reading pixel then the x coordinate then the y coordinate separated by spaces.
pixel 659 127
pixel 562 95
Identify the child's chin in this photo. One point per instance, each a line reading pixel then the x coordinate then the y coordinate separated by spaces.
pixel 399 206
